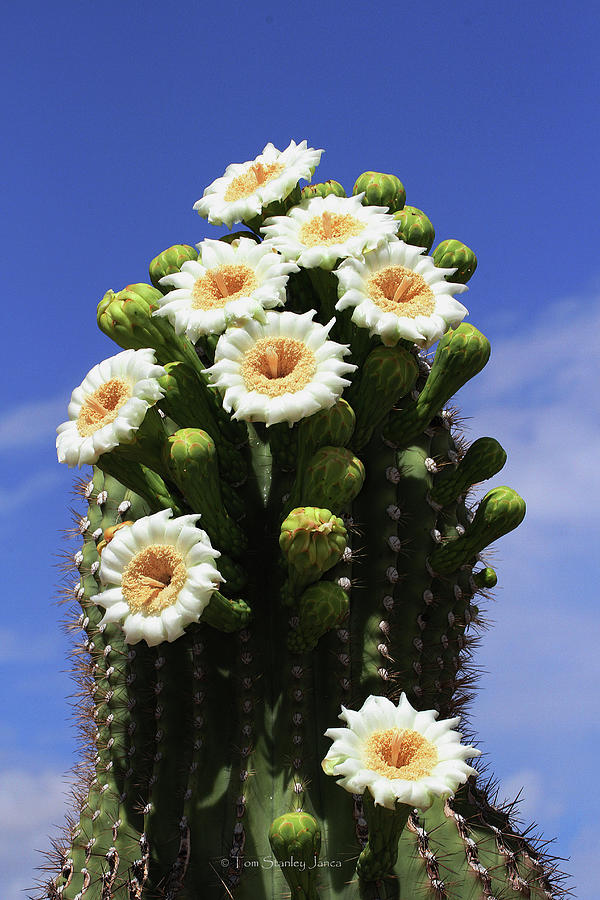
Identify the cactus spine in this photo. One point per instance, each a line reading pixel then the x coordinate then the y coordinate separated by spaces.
pixel 349 551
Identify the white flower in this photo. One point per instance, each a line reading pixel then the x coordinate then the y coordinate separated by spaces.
pixel 397 292
pixel 227 285
pixel 245 188
pixel 399 754
pixel 160 576
pixel 280 371
pixel 321 230
pixel 109 406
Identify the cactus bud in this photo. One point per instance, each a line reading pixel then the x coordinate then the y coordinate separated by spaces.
pixel 500 511
pixel 312 541
pixel 170 261
pixel 192 459
pixel 387 374
pixel 321 607
pixel 333 478
pixel 485 578
pixel 460 355
pixel 455 255
pixel 381 190
pixel 323 190
pixel 484 458
pixel 295 839
pixel 415 228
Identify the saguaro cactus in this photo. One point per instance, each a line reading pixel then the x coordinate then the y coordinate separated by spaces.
pixel 279 535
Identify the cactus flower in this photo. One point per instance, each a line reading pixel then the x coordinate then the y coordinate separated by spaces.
pixel 279 371
pixel 399 754
pixel 321 230
pixel 227 285
pixel 245 188
pixel 399 293
pixel 159 575
pixel 109 406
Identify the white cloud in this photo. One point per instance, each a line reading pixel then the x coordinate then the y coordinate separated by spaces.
pixel 31 806
pixel 32 423
pixel 31 488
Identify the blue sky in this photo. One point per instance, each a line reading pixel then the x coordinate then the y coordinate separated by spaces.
pixel 119 114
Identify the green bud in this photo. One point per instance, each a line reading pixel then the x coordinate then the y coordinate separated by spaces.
pixel 500 511
pixel 415 227
pixel 170 261
pixel 461 354
pixel 386 376
pixel 327 427
pixel 381 190
pixel 485 578
pixel 333 478
pixel 295 840
pixel 312 541
pixel 225 614
pixel 484 458
pixel 189 402
pixel 127 319
pixel 321 607
pixel 455 255
pixel 192 459
pixel 323 190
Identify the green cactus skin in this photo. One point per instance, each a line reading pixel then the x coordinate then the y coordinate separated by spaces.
pixel 455 255
pixel 379 856
pixel 323 190
pixel 380 190
pixel 415 228
pixel 206 752
pixel 484 458
pixel 295 839
pixel 170 261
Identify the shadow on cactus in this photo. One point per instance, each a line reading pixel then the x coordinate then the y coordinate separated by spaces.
pixel 278 536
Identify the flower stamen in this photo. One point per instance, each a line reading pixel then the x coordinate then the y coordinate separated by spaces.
pixel 401 753
pixel 278 365
pixel 153 579
pixel 220 283
pixel 401 290
pixel 102 406
pixel 272 361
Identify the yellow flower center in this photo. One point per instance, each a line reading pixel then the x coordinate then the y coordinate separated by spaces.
pixel 278 365
pixel 400 753
pixel 102 407
pixel 330 228
pixel 223 284
pixel 399 290
pixel 255 176
pixel 153 578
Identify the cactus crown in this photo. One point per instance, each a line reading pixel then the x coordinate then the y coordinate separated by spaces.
pixel 278 535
